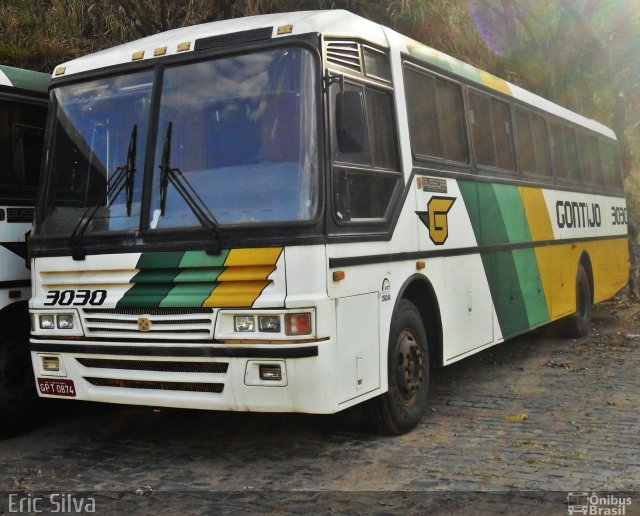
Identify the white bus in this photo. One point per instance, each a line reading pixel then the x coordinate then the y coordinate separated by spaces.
pixel 302 212
pixel 23 113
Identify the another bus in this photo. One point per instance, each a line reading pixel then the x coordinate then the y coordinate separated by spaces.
pixel 23 113
pixel 303 212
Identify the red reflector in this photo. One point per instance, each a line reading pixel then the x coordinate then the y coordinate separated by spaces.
pixel 297 324
pixel 15 294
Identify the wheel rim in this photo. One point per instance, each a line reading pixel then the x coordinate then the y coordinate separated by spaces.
pixel 409 368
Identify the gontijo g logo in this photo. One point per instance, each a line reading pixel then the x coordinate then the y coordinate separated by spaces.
pixel 435 218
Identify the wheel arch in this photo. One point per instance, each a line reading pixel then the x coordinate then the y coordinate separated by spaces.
pixel 15 317
pixel 419 290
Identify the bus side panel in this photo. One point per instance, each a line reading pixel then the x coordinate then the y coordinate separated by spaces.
pixel 12 257
pixel 464 297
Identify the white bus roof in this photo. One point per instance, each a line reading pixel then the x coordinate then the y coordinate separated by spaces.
pixel 331 23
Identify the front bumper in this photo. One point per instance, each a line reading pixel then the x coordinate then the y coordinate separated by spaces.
pixel 197 376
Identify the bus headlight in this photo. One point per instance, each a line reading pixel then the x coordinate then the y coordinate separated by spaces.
pixel 269 323
pixel 65 321
pixel 47 322
pixel 244 323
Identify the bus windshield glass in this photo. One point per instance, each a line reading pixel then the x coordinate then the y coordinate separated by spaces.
pixel 97 151
pixel 236 144
pixel 243 138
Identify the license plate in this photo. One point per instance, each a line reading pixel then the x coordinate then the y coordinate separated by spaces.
pixel 57 387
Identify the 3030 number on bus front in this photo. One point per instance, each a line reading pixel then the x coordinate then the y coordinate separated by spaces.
pixel 76 297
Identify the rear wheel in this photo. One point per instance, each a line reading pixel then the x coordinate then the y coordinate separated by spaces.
pixel 399 409
pixel 579 324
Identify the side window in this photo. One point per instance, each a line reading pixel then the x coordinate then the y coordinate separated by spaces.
pixel 451 116
pixel 540 148
pixel 423 123
pixel 588 152
pixel 501 120
pixel 364 182
pixel 376 64
pixel 436 117
pixel 531 142
pixel 481 132
pixel 491 131
pixel 563 143
pixel 524 142
pixel 21 141
pixel 610 165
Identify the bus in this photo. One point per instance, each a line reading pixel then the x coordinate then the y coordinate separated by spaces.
pixel 303 212
pixel 23 113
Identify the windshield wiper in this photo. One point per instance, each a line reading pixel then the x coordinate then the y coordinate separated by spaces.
pixel 198 207
pixel 122 178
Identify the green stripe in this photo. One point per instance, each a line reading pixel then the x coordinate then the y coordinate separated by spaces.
pixel 512 213
pixel 27 79
pixel 209 275
pixel 160 260
pixel 188 294
pixel 174 279
pixel 144 295
pixel 202 259
pixel 193 288
pixel 531 285
pixel 498 217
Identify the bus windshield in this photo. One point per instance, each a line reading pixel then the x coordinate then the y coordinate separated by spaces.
pixel 236 141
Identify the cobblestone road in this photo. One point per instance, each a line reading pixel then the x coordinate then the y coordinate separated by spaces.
pixel 536 413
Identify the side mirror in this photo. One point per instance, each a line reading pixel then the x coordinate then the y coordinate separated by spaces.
pixel 350 122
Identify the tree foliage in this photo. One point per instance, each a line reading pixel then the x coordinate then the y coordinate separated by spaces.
pixel 582 54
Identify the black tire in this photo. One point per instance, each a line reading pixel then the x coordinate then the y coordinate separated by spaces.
pixel 579 324
pixel 400 408
pixel 18 396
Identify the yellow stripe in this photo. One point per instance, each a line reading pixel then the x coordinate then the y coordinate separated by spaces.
pixel 610 262
pixel 537 215
pixel 235 294
pixel 244 278
pixel 495 82
pixel 255 273
pixel 258 256
pixel 558 264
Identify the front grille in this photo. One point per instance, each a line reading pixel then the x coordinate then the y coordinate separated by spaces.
pixel 164 323
pixel 149 311
pixel 153 365
pixel 98 320
pixel 103 329
pixel 158 386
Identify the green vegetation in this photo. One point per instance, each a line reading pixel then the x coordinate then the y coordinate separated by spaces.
pixel 582 54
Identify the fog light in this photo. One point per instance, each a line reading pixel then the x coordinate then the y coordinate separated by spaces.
pixel 269 323
pixel 50 364
pixel 297 324
pixel 270 373
pixel 65 321
pixel 47 322
pixel 245 323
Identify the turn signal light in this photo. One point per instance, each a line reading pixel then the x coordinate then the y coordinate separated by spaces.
pixel 297 324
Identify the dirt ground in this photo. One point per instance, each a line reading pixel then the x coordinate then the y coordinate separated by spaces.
pixel 525 426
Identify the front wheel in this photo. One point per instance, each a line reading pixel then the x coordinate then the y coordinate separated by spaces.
pixel 18 397
pixel 399 409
